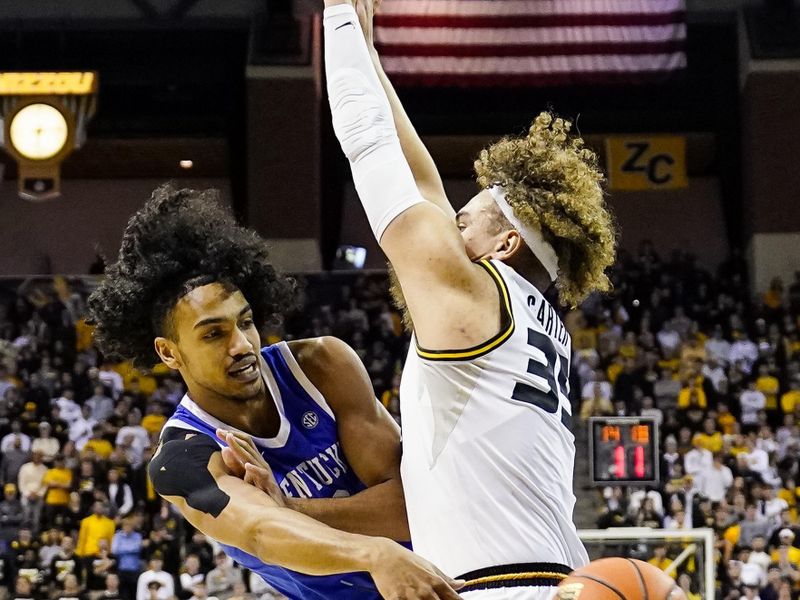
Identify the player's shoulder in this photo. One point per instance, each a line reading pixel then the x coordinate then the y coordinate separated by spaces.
pixel 321 356
pixel 178 451
pixel 182 467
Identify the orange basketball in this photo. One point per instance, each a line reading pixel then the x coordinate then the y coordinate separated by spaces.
pixel 619 579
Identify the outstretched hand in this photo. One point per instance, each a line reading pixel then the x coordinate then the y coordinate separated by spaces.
pixel 365 9
pixel 243 460
pixel 400 574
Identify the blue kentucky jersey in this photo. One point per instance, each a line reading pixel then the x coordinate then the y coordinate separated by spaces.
pixel 307 461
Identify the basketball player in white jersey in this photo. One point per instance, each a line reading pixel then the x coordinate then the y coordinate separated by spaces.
pixel 487 449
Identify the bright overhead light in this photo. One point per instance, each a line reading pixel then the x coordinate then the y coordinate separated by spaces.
pixel 186 164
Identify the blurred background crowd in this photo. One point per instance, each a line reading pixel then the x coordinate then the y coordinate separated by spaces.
pixel 718 368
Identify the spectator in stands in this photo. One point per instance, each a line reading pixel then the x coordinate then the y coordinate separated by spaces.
pixel 111 590
pixel 717 347
pixel 596 397
pixel 10 440
pixel 100 405
pixel 99 566
pixel 666 389
pixel 66 562
pixel 710 438
pixel 759 556
pixel 787 522
pixel 757 461
pixel 154 420
pixel 692 396
pixel 669 339
pixel 11 516
pixel 94 528
pixel 191 575
pixel 71 589
pixel 155 574
pixel 127 547
pixel 12 461
pixel 200 592
pixel 29 421
pixel 770 590
pixel 698 458
pixel 769 386
pixel 111 380
pixel 200 547
pixel 221 579
pixel 32 488
pixel 51 547
pixel 753 525
pixel 58 480
pixel 743 352
pixel 714 482
pixel 23 589
pixel 45 443
pixel 68 410
pixel 786 555
pixel 133 437
pixel 771 505
pixel 648 516
pixel 119 495
pixel 649 410
pixel 59 427
pixel 80 430
pixel 790 400
pixel 97 445
pixel 752 574
pixel 240 593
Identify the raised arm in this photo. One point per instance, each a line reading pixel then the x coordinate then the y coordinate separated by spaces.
pixel 440 283
pixel 424 170
pixel 189 472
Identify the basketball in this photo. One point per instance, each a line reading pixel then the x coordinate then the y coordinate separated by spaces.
pixel 619 579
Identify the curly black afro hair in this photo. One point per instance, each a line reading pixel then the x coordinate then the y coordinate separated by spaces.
pixel 180 240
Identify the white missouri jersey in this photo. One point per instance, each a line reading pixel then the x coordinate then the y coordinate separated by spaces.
pixel 487 449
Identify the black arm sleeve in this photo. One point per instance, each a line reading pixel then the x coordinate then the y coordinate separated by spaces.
pixel 180 468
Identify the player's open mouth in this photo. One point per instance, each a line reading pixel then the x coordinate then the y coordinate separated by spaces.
pixel 246 373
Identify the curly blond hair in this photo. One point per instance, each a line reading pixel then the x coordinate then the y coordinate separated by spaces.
pixel 553 183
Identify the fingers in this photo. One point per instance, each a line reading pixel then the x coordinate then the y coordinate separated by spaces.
pixel 446 592
pixel 233 462
pixel 250 446
pixel 251 479
pixel 242 446
pixel 456 584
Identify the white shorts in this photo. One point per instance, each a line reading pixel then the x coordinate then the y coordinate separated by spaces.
pixel 513 593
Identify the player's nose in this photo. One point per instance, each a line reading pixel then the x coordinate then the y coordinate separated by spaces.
pixel 239 344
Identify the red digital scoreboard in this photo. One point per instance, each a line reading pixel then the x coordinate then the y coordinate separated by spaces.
pixel 623 451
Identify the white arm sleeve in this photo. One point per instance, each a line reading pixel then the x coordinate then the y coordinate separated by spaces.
pixel 362 120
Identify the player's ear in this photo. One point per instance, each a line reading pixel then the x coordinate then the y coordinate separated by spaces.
pixel 168 352
pixel 508 244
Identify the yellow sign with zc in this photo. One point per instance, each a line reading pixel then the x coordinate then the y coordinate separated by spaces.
pixel 646 163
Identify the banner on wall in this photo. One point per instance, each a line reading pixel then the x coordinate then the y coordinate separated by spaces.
pixel 646 162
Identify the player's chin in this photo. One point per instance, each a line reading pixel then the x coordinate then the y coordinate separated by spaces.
pixel 244 390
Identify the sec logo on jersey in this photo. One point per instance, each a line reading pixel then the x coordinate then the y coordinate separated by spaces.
pixel 310 420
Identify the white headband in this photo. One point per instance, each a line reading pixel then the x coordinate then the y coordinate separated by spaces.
pixel 542 250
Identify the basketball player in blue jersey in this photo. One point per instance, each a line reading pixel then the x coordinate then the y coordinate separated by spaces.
pixel 190 289
pixel 488 452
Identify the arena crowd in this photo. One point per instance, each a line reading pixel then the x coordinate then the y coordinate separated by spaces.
pixel 719 369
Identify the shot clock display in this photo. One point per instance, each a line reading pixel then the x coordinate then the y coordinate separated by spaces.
pixel 623 451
